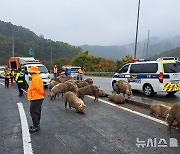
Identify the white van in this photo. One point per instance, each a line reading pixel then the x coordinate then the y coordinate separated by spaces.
pixel 151 76
pixel 43 73
pixel 72 69
pixel 2 71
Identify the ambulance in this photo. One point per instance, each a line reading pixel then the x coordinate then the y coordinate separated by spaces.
pixel 162 75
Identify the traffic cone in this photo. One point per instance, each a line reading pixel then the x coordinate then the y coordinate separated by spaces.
pixel 10 83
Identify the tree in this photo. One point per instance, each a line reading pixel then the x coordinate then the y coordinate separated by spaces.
pixel 123 61
pixel 83 60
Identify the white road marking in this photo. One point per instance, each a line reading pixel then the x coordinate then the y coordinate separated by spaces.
pixel 135 112
pixel 25 131
pixel 2 83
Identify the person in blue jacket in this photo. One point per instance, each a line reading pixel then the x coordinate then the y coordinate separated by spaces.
pixel 68 72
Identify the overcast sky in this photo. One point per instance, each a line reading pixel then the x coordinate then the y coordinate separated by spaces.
pixel 94 22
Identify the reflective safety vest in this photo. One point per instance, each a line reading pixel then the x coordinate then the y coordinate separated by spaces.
pixel 20 77
pixel 80 71
pixel 7 74
pixel 55 69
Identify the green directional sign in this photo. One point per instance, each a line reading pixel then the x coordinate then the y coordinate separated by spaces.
pixel 31 52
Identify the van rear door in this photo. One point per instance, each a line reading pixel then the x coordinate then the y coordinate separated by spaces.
pixel 173 70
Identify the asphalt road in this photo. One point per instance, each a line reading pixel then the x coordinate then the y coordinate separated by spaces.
pixel 105 83
pixel 102 129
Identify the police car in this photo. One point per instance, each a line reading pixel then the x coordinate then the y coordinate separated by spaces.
pixel 162 75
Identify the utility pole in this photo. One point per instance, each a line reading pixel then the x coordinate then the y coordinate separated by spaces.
pixel 144 50
pixel 51 56
pixel 147 43
pixel 13 44
pixel 137 25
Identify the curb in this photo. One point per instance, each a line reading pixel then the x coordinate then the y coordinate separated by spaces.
pixel 133 102
pixel 137 103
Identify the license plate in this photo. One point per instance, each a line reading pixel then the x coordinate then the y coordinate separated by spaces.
pixel 175 82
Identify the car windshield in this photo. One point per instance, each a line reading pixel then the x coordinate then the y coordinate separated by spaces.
pixel 1 69
pixel 74 69
pixel 42 69
pixel 172 67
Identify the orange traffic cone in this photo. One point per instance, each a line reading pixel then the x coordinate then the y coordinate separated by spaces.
pixel 10 83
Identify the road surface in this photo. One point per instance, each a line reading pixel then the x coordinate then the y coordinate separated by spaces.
pixel 104 128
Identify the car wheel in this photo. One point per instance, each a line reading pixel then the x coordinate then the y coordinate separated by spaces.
pixel 113 85
pixel 148 90
pixel 45 86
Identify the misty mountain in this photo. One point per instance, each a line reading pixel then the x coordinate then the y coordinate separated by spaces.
pixel 171 53
pixel 155 46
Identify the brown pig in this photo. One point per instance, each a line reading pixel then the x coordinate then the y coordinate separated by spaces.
pixel 174 115
pixel 74 102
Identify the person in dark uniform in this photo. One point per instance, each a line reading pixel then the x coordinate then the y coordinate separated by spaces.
pixel 20 79
pixel 12 76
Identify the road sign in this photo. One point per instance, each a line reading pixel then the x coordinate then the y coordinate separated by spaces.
pixel 31 52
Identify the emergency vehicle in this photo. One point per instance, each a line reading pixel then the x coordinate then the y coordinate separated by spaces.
pixel 162 75
pixel 43 73
pixel 2 71
pixel 17 62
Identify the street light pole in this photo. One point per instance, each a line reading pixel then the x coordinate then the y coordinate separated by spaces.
pixel 144 51
pixel 137 30
pixel 147 43
pixel 13 45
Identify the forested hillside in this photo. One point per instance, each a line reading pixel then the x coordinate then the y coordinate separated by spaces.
pixel 171 53
pixel 24 39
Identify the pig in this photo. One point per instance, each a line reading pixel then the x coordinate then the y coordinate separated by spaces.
pixel 89 80
pixel 74 102
pixel 88 90
pixel 123 86
pixel 102 93
pixel 71 87
pixel 59 88
pixel 81 84
pixel 160 110
pixel 117 98
pixel 174 115
pixel 55 79
pixel 52 84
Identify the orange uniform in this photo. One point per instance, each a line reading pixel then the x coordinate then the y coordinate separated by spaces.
pixel 55 69
pixel 36 88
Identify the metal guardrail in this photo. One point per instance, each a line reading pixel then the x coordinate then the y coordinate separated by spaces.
pixel 109 74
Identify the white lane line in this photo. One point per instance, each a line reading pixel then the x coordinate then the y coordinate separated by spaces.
pixel 25 131
pixel 135 112
pixel 2 83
